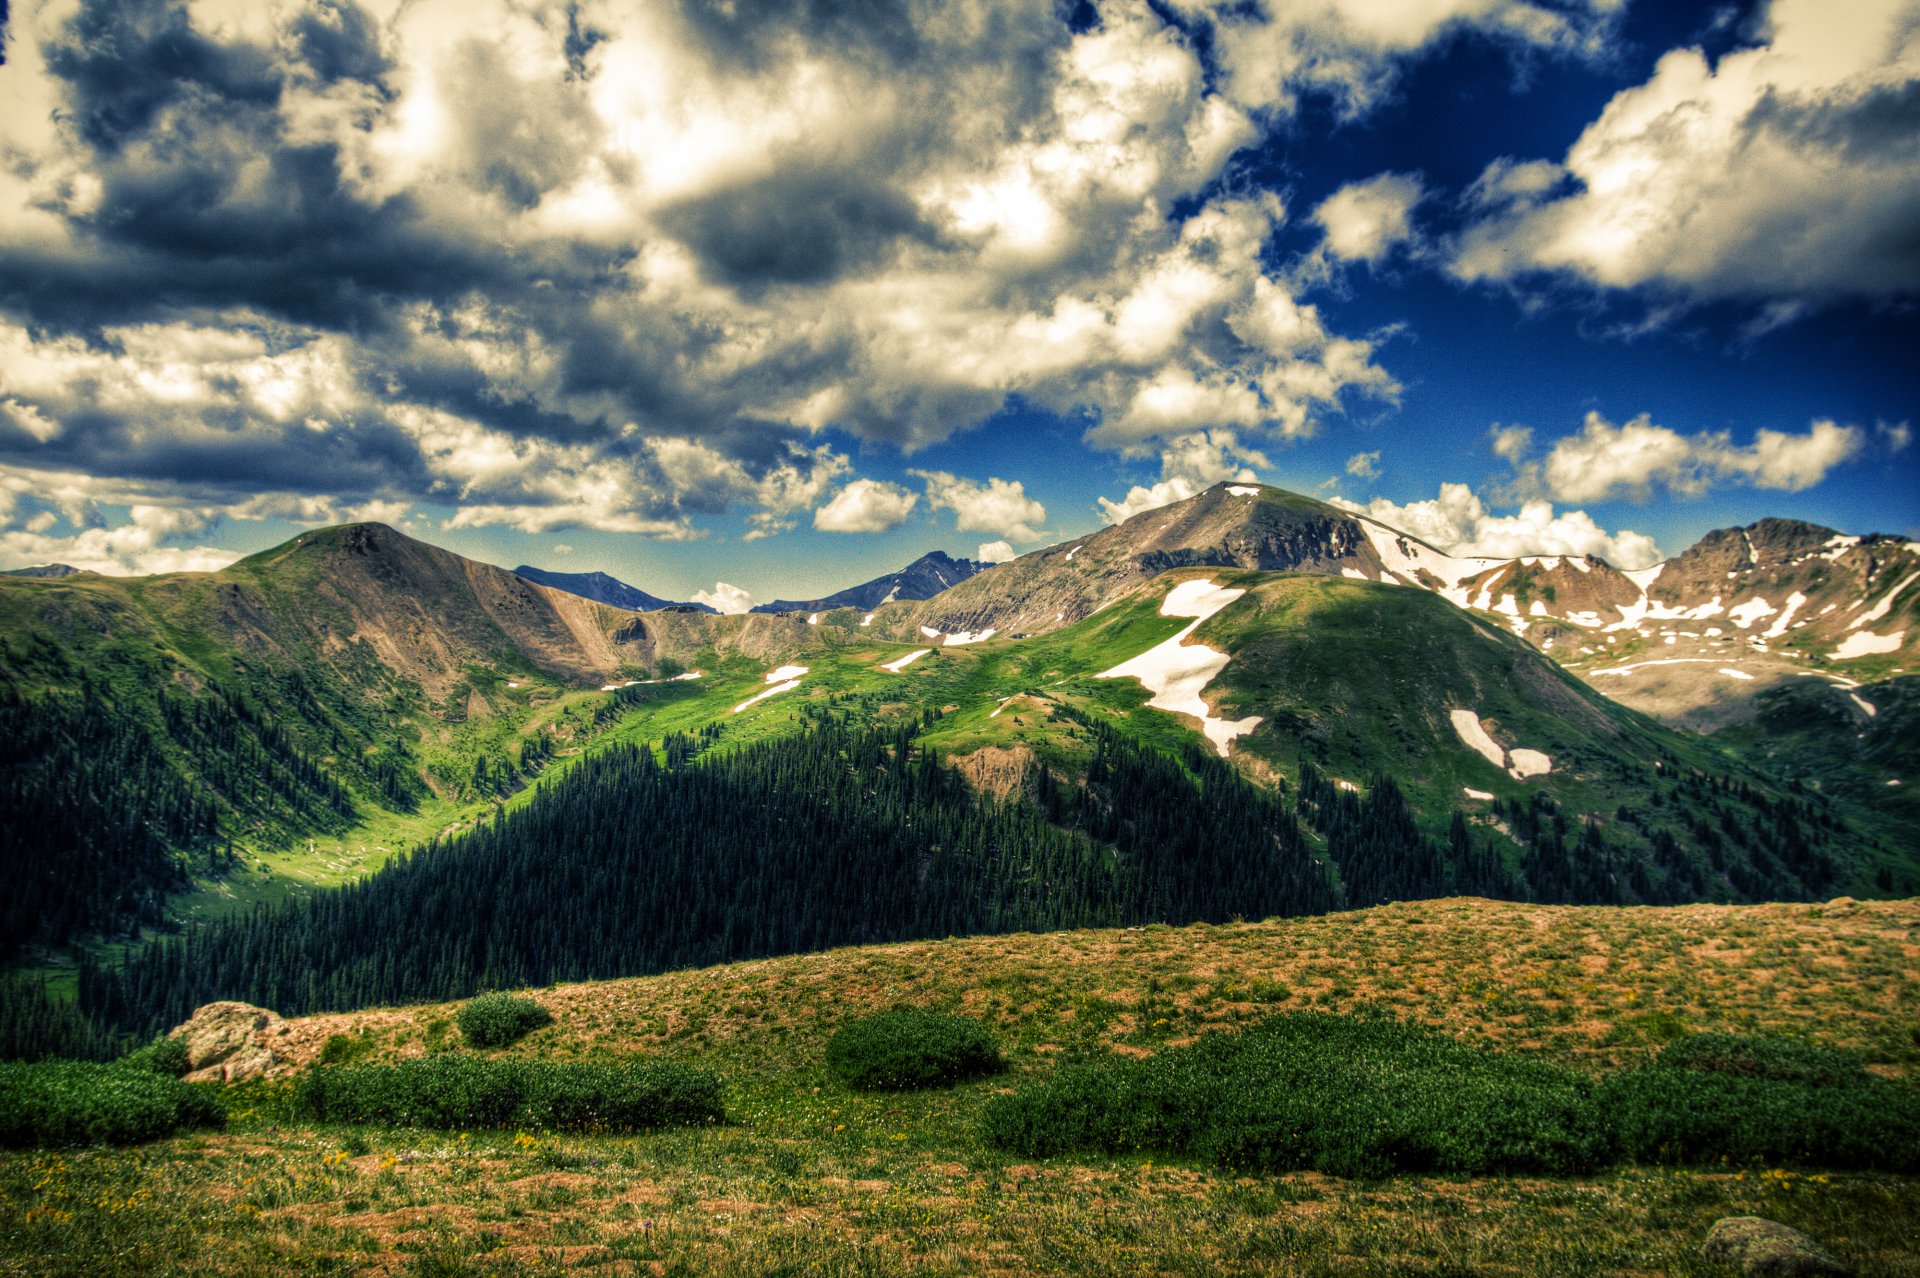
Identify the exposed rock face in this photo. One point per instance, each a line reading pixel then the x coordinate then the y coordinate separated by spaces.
pixel 229 1042
pixel 924 578
pixel 1764 1249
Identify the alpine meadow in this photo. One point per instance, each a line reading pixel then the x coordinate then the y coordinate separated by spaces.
pixel 1148 638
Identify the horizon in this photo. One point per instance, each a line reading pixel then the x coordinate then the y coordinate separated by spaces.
pixel 757 306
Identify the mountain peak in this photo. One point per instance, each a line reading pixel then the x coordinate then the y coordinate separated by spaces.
pixel 924 578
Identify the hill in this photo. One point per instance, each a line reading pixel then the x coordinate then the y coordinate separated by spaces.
pixel 414 690
pixel 924 578
pixel 810 1176
pixel 602 588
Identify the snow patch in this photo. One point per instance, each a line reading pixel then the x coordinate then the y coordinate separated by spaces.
pixel 1864 643
pixel 1482 795
pixel 1467 724
pixel 1879 610
pixel 1072 553
pixel 900 663
pixel 1731 673
pixel 1354 573
pixel 867 620
pixel 786 672
pixel 1778 628
pixel 930 633
pixel 814 620
pixel 1175 672
pixel 1868 706
pixel 1664 661
pixel 1749 612
pixel 785 679
pixel 968 636
pixel 1528 763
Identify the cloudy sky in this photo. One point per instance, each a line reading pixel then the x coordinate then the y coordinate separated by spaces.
pixel 761 297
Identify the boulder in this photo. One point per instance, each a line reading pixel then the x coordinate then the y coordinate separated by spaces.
pixel 1766 1249
pixel 227 1042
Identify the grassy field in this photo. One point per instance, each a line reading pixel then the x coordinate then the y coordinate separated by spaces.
pixel 810 1178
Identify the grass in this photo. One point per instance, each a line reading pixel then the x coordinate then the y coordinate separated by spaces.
pixel 809 1176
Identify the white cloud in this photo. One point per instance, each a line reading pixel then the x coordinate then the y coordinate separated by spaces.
pixel 562 548
pixel 1786 170
pixel 724 598
pixel 995 552
pixel 865 506
pixel 1189 464
pixel 1460 524
pixel 1365 221
pixel 1364 465
pixel 998 506
pixel 1604 461
pixel 1895 435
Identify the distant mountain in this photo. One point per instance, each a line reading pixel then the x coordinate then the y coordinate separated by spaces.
pixel 44 570
pixel 924 578
pixel 602 588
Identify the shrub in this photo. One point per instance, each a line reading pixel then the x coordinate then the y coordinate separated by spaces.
pixel 905 1048
pixel 495 1020
pixel 1347 1096
pixel 82 1103
pixel 1763 1100
pixel 461 1092
pixel 164 1056
pixel 1756 1056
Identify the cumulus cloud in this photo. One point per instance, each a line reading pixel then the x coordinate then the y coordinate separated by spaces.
pixel 1364 465
pixel 1604 461
pixel 865 506
pixel 724 598
pixel 1783 171
pixel 1365 221
pixel 612 267
pixel 995 552
pixel 997 506
pixel 1459 523
pixel 1189 464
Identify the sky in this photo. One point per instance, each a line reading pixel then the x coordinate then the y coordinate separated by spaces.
pixel 761 299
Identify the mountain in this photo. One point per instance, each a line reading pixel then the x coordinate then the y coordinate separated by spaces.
pixel 1692 640
pixel 44 570
pixel 1248 647
pixel 924 578
pixel 602 588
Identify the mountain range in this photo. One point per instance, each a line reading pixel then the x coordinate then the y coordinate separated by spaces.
pixel 924 578
pixel 1389 721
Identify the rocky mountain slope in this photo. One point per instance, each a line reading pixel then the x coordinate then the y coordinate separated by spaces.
pixel 1692 640
pixel 925 577
pixel 602 588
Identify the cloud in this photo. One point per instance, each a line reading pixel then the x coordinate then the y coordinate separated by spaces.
pixel 865 506
pixel 1458 523
pixel 562 548
pixel 724 598
pixel 1188 465
pixel 995 552
pixel 1364 465
pixel 997 506
pixel 134 548
pixel 1783 171
pixel 1895 435
pixel 1365 221
pixel 1605 462
pixel 615 267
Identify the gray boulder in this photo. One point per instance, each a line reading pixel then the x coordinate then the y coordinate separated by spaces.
pixel 1767 1249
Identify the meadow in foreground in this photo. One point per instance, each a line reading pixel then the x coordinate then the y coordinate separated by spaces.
pixel 809 1176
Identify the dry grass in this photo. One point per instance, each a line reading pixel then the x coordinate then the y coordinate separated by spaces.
pixel 812 1179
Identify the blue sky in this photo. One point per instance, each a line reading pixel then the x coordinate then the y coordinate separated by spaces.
pixel 763 304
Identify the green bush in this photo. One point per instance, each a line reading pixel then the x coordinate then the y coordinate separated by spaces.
pixel 905 1048
pixel 82 1103
pixel 1668 1114
pixel 164 1056
pixel 462 1092
pixel 1346 1096
pixel 494 1020
pixel 1368 1097
pixel 1756 1056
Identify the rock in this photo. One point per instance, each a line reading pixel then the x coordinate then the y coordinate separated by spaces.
pixel 227 1042
pixel 1766 1249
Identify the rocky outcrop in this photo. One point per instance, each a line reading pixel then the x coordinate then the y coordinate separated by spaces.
pixel 1761 1248
pixel 229 1042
